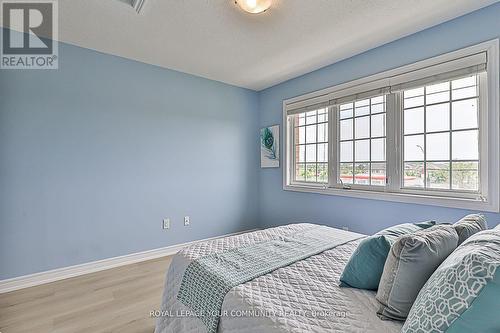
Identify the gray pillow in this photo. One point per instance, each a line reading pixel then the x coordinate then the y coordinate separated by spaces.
pixel 411 261
pixel 469 225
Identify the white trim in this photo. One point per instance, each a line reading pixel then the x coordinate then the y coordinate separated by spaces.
pixel 413 198
pixel 36 279
pixel 493 120
pixel 490 121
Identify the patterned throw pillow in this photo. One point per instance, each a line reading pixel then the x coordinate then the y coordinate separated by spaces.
pixel 366 264
pixel 463 294
pixel 469 225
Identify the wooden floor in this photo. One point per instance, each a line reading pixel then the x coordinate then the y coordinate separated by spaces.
pixel 115 300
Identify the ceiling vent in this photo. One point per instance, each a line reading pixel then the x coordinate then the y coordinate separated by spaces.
pixel 138 5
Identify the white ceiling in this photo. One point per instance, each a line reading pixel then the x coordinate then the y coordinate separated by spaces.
pixel 216 40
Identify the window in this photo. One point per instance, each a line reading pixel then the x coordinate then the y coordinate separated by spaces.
pixel 441 133
pixel 362 142
pixel 425 133
pixel 311 146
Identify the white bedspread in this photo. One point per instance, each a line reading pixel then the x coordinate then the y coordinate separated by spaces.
pixel 302 297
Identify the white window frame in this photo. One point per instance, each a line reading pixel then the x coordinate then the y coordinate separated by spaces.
pixel 489 124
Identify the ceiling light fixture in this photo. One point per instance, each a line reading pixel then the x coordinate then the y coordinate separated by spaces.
pixel 254 6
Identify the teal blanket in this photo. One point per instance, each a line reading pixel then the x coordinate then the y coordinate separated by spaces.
pixel 208 279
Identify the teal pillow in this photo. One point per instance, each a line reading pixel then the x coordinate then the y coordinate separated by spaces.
pixel 463 294
pixel 366 264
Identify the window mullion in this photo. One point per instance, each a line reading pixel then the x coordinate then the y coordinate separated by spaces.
pixel 333 146
pixel 450 122
pixel 483 123
pixel 291 146
pixel 393 142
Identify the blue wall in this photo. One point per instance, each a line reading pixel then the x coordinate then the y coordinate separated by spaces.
pixel 280 207
pixel 95 154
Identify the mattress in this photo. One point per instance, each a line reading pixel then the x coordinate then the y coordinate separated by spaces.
pixel 301 297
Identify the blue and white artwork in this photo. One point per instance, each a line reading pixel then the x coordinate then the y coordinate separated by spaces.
pixel 269 147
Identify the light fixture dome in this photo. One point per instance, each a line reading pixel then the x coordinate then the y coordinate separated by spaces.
pixel 254 6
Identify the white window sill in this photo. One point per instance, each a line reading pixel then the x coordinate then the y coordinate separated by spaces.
pixel 423 199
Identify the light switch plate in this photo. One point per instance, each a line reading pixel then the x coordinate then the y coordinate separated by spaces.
pixel 166 223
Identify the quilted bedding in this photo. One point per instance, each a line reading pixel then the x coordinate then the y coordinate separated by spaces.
pixel 302 297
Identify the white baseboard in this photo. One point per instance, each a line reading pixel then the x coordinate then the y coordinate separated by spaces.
pixel 36 279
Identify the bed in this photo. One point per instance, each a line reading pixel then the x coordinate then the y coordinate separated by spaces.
pixel 301 297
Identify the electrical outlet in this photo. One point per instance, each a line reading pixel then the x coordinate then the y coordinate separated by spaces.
pixel 345 228
pixel 166 223
pixel 186 221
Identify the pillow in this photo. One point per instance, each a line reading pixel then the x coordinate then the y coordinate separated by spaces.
pixel 463 294
pixel 366 264
pixel 411 261
pixel 469 225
